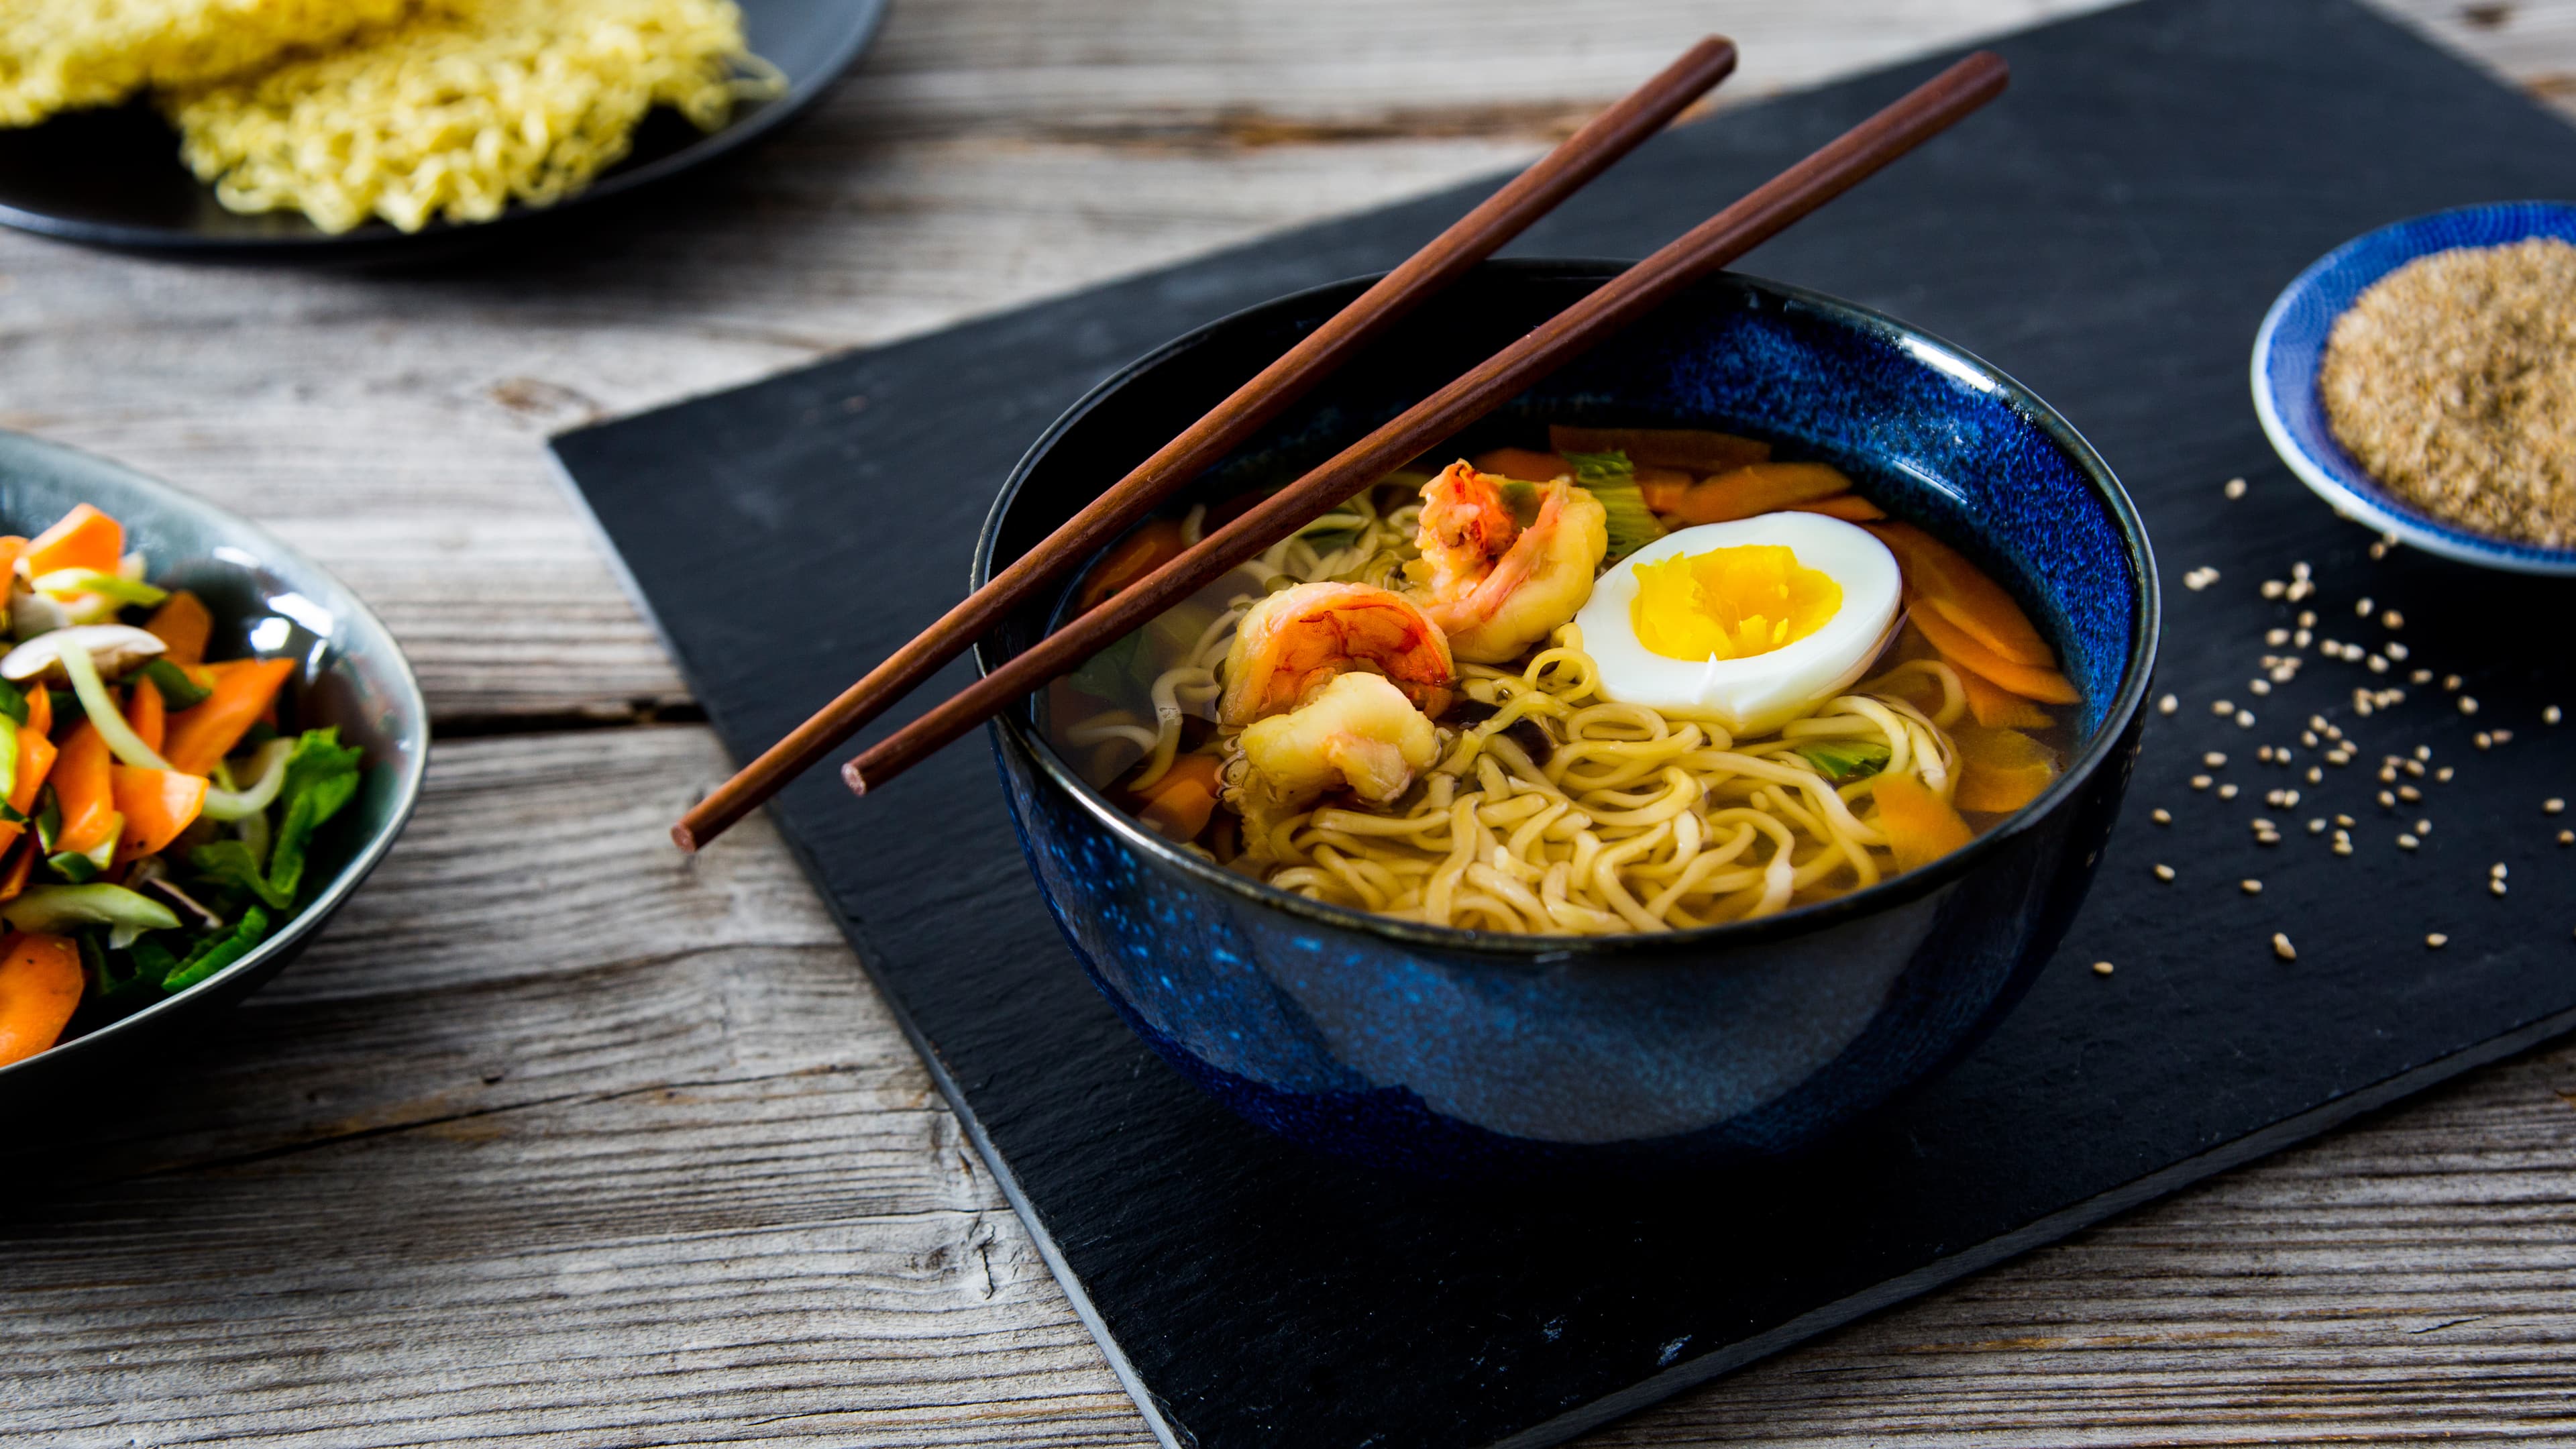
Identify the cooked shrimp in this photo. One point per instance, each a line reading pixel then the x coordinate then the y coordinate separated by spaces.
pixel 1297 641
pixel 1494 587
pixel 1358 732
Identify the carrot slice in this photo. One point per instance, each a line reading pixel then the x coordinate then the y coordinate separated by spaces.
pixel 84 539
pixel 1998 708
pixel 40 710
pixel 157 805
pixel 1849 507
pixel 1527 464
pixel 147 713
pixel 40 987
pixel 1965 596
pixel 1999 770
pixel 1920 826
pixel 183 626
pixel 1759 488
pixel 1695 449
pixel 1178 805
pixel 200 737
pixel 13 881
pixel 35 762
pixel 1956 645
pixel 12 548
pixel 1150 547
pixel 84 791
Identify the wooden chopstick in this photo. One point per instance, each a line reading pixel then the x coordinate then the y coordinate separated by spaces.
pixel 1840 165
pixel 1475 236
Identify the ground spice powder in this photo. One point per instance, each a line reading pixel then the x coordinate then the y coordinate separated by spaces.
pixel 2453 380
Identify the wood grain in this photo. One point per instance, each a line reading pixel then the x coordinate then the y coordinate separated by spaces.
pixel 558 1137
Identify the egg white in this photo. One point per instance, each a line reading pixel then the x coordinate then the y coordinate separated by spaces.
pixel 1758 694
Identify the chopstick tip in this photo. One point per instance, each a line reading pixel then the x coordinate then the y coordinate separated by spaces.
pixel 851 777
pixel 685 838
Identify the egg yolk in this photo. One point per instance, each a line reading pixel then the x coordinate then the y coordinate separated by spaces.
pixel 1730 603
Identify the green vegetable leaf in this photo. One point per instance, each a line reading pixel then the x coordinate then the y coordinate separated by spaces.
pixel 152 961
pixel 1611 478
pixel 1840 760
pixel 178 691
pixel 49 817
pixel 73 866
pixel 13 702
pixel 107 975
pixel 91 581
pixel 1110 674
pixel 321 776
pixel 214 953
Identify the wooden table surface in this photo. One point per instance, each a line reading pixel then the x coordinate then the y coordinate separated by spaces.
pixel 559 1136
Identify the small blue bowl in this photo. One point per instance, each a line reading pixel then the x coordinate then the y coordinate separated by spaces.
pixel 2293 341
pixel 1455 1052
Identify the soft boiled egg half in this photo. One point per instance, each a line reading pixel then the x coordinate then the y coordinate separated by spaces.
pixel 1749 624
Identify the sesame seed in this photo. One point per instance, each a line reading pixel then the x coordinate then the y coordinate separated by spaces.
pixel 2420 676
pixel 2222 707
pixel 2235 488
pixel 2317 826
pixel 2346 821
pixel 2567 837
pixel 2388 774
pixel 2164 872
pixel 2319 723
pixel 2200 782
pixel 2226 792
pixel 2497 870
pixel 2394 650
pixel 2378 665
pixel 2199 579
pixel 2316 776
pixel 2250 887
pixel 2483 740
pixel 2343 847
pixel 2387 801
pixel 2303 637
pixel 2263 753
pixel 2307 620
pixel 2362 607
pixel 2407 842
pixel 2436 940
pixel 2168 705
pixel 2301 572
pixel 2414 768
pixel 2423 752
pixel 2308 738
pixel 2289 799
pixel 2162 816
pixel 2338 757
pixel 2468 705
pixel 2450 681
pixel 2504 737
pixel 2101 968
pixel 2282 948
pixel 2423 827
pixel 2495 887
pixel 2552 805
pixel 2392 620
pixel 2274 588
pixel 2409 794
pixel 2550 715
pixel 2259 686
pixel 2214 759
pixel 2276 637
pixel 2245 719
pixel 2378 549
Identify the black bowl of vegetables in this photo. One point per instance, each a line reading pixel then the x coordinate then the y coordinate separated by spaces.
pixel 205 745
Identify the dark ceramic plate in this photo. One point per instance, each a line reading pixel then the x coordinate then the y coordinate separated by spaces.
pixel 112 178
pixel 267 600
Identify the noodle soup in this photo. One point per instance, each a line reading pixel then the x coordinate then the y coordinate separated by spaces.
pixel 1634 681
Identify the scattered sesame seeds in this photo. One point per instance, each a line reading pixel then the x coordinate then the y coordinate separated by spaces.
pixel 2387 801
pixel 2420 676
pixel 2161 816
pixel 2346 821
pixel 2235 488
pixel 2495 887
pixel 2164 872
pixel 2551 715
pixel 2450 681
pixel 2302 637
pixel 2394 650
pixel 2245 719
pixel 2552 806
pixel 2200 782
pixel 2409 794
pixel 2414 768
pixel 2168 705
pixel 2250 887
pixel 2423 752
pixel 2101 968
pixel 2199 579
pixel 2391 620
pixel 2379 549
pixel 2436 940
pixel 2226 792
pixel 2282 948
pixel 2214 759
pixel 2259 686
pixel 2567 837
pixel 2308 738
pixel 2496 871
pixel 2423 827
pixel 2222 707
pixel 2407 842
pixel 2377 664
pixel 2276 637
pixel 2338 757
pixel 2301 572
pixel 2274 588
pixel 2362 607
pixel 2316 775
pixel 2317 826
pixel 2483 740
pixel 2307 620
pixel 2343 844
pixel 2504 737
pixel 2443 775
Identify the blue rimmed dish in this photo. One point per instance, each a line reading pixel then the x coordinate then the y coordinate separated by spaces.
pixel 1456 1052
pixel 267 600
pixel 2292 342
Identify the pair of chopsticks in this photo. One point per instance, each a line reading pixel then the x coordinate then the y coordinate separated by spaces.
pixel 1822 176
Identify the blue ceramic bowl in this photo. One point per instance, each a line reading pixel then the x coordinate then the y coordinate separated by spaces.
pixel 1453 1051
pixel 267 600
pixel 2293 341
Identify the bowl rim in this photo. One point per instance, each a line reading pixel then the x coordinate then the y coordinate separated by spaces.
pixel 344 604
pixel 2340 479
pixel 2146 626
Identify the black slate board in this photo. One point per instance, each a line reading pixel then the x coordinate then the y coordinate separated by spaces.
pixel 2110 233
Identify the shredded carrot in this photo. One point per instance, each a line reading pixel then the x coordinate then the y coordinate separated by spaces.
pixel 1662 488
pixel 1527 464
pixel 147 713
pixel 1999 770
pixel 84 539
pixel 157 805
pixel 1998 708
pixel 84 791
pixel 1921 827
pixel 1956 645
pixel 201 736
pixel 13 881
pixel 12 548
pixel 1135 556
pixel 1965 596
pixel 1759 488
pixel 1696 449
pixel 40 710
pixel 1849 507
pixel 1178 805
pixel 183 626
pixel 40 987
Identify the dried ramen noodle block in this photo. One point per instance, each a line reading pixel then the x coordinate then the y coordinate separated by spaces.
pixel 466 108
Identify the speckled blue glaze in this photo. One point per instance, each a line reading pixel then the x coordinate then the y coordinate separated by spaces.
pixel 2292 342
pixel 1456 1052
